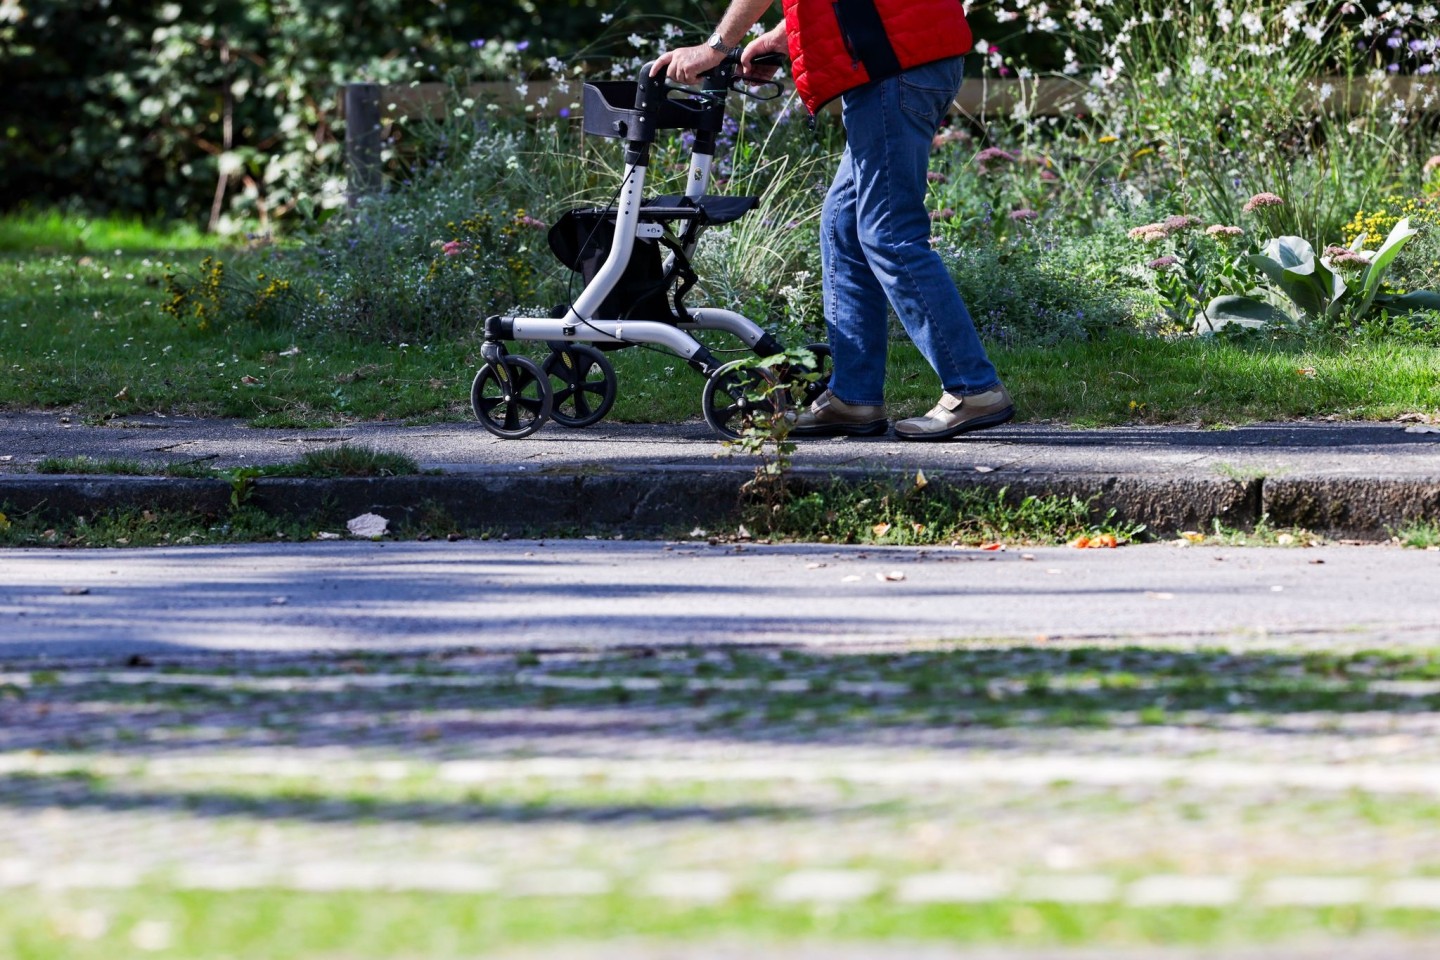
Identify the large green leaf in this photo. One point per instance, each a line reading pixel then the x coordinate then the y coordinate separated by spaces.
pixel 1375 273
pixel 1238 311
pixel 1290 264
pixel 1410 302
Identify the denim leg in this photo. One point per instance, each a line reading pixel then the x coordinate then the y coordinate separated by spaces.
pixel 856 309
pixel 889 127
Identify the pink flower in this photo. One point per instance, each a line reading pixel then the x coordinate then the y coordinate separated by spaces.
pixel 454 248
pixel 949 136
pixel 1430 165
pixel 1149 233
pixel 1223 232
pixel 1179 222
pixel 1162 263
pixel 531 222
pixel 1024 215
pixel 935 176
pixel 1345 258
pixel 946 214
pixel 1262 200
pixel 992 154
pixel 1048 174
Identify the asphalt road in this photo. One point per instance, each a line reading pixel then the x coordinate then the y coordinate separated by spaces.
pixel 515 594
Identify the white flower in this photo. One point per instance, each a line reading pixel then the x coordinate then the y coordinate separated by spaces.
pixel 1252 23
pixel 636 40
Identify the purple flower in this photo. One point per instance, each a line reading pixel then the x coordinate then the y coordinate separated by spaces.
pixel 564 111
pixel 477 44
pixel 1162 263
pixel 523 44
pixel 1024 215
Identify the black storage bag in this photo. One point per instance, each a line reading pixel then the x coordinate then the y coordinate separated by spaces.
pixel 582 238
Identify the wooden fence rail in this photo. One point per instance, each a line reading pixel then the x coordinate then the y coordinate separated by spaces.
pixel 368 107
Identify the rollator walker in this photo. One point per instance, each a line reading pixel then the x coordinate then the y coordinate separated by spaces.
pixel 631 295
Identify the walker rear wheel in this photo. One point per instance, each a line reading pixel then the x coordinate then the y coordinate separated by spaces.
pixel 739 396
pixel 512 398
pixel 582 382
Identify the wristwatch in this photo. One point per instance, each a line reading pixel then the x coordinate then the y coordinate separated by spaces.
pixel 717 43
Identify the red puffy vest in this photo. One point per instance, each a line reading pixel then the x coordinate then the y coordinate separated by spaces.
pixel 838 45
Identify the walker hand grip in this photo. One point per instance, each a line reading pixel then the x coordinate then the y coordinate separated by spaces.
pixel 650 90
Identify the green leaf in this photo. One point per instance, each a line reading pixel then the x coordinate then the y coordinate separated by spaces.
pixel 1375 273
pixel 1238 311
pixel 1410 302
pixel 1290 264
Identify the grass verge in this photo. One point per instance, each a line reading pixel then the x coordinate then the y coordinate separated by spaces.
pixel 81 327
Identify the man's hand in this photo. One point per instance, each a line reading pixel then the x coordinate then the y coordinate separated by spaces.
pixel 772 41
pixel 685 64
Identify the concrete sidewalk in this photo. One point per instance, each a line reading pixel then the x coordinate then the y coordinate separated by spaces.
pixel 1343 479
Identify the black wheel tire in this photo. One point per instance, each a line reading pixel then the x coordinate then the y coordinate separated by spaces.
pixel 582 383
pixel 735 394
pixel 824 367
pixel 512 402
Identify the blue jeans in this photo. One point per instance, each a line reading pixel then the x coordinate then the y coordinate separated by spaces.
pixel 875 242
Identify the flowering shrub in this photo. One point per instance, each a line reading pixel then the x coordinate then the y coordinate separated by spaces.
pixel 216 295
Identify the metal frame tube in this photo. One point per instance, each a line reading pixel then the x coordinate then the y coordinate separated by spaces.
pixel 608 331
pixel 627 218
pixel 726 321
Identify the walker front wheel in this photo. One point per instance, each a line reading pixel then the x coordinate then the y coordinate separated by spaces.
pixel 739 396
pixel 512 398
pixel 583 384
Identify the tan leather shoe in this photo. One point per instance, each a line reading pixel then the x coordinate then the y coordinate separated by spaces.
pixel 954 415
pixel 829 416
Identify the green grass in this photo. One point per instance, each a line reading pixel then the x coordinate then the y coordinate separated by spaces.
pixel 1424 535
pixel 81 327
pixel 281 925
pixel 50 231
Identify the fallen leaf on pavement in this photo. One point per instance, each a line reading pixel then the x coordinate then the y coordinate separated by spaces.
pixel 325 535
pixel 892 576
pixel 1193 536
pixel 850 579
pixel 1103 540
pixel 993 547
pixel 984 469
pixel 76 591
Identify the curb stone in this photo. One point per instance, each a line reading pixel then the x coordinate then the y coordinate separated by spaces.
pixel 654 499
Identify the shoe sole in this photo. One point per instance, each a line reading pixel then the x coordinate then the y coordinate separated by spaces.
pixel 874 428
pixel 979 423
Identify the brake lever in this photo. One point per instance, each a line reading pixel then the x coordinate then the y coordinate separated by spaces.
pixel 714 96
pixel 749 83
